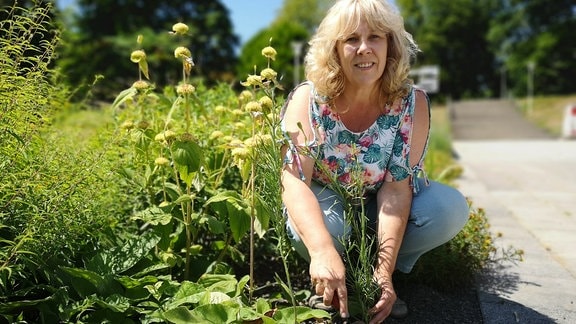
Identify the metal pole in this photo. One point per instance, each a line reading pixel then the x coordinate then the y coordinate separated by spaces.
pixel 297 49
pixel 530 84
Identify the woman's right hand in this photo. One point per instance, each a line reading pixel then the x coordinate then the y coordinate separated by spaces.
pixel 328 276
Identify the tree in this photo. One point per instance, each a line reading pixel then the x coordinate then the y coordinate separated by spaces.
pixel 452 34
pixel 106 32
pixel 280 36
pixel 538 33
pixel 295 24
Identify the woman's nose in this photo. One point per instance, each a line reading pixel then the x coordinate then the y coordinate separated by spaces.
pixel 364 47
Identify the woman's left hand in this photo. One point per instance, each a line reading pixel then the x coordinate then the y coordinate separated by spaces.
pixel 384 305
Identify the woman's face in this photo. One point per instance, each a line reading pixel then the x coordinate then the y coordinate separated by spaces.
pixel 363 55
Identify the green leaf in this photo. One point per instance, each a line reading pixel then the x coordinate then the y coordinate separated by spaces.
pixel 209 314
pixel 85 282
pixel 143 65
pixel 125 256
pixel 225 283
pixel 153 215
pixel 180 315
pixel 123 96
pixel 239 222
pixel 236 212
pixel 188 157
pixel 298 314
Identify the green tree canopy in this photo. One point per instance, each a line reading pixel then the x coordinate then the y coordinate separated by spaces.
pixel 296 22
pixel 452 34
pixel 538 32
pixel 106 32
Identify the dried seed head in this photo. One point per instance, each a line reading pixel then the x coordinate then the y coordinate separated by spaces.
pixel 185 89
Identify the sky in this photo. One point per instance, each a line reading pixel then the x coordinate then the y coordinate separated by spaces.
pixel 248 16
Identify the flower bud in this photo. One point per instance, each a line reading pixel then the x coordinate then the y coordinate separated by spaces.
pixel 180 28
pixel 137 56
pixel 161 161
pixel 182 52
pixel 268 74
pixel 269 52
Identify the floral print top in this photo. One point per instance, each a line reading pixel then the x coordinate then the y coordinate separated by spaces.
pixel 378 154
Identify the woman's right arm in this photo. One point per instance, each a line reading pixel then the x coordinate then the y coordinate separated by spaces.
pixel 302 205
pixel 326 266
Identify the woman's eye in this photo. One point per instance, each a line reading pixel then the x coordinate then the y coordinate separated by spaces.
pixel 351 39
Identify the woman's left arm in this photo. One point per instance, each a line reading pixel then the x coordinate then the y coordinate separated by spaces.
pixel 394 200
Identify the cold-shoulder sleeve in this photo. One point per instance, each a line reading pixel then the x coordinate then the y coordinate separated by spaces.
pixel 399 164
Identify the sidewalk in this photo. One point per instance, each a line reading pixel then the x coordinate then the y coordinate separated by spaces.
pixel 526 183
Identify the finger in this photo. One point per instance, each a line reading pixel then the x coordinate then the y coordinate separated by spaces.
pixel 319 289
pixel 343 302
pixel 328 295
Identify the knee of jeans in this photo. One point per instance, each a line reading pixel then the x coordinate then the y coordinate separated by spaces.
pixel 456 213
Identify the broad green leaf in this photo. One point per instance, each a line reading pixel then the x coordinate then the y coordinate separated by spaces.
pixel 298 314
pixel 115 303
pixel 241 285
pixel 239 222
pixel 180 315
pixel 248 314
pixel 188 157
pixel 125 256
pixel 215 226
pixel 214 314
pixel 153 215
pixel 225 283
pixel 85 282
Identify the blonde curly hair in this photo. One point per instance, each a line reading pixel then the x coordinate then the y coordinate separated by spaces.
pixel 322 64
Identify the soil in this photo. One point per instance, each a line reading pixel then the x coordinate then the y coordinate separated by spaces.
pixel 427 305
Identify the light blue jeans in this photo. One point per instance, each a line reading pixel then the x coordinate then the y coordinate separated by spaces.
pixel 437 214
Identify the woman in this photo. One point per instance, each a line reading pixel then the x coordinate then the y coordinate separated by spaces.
pixel 358 111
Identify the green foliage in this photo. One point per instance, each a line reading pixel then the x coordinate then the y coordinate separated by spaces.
pixel 56 198
pixel 94 46
pixel 536 32
pixel 144 211
pixel 281 35
pixel 453 33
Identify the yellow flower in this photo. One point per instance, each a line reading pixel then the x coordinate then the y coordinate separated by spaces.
pixel 240 153
pixel 269 52
pixel 127 125
pixel 161 161
pixel 182 52
pixel 185 89
pixel 237 112
pixel 220 109
pixel 268 74
pixel 252 80
pixel 245 95
pixel 216 134
pixel 137 56
pixel 253 106
pixel 180 28
pixel 266 103
pixel 235 142
pixel 239 125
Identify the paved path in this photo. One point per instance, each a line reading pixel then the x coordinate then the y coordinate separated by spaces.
pixel 526 182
